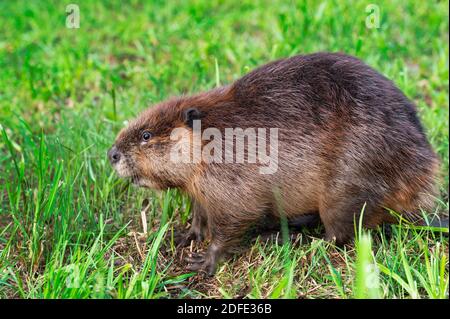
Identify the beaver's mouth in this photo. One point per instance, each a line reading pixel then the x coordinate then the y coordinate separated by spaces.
pixel 142 181
pixel 136 180
pixel 123 168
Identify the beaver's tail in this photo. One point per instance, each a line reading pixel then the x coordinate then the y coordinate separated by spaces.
pixel 439 224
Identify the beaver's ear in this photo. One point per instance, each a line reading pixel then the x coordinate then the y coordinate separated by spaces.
pixel 191 114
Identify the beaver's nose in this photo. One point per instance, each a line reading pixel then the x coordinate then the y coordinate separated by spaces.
pixel 114 155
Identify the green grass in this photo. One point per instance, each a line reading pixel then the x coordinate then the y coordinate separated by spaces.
pixel 70 229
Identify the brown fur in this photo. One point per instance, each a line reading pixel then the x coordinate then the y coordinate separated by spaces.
pixel 347 137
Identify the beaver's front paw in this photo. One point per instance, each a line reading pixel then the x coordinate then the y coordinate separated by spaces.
pixel 201 263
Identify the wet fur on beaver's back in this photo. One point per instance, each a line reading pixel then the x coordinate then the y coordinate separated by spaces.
pixel 347 138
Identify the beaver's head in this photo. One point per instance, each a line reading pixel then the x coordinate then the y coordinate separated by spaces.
pixel 144 150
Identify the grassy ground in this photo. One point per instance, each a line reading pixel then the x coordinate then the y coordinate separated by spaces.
pixel 69 228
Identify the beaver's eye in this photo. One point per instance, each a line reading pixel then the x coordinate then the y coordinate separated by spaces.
pixel 146 136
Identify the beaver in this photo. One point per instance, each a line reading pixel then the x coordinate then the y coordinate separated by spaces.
pixel 348 142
